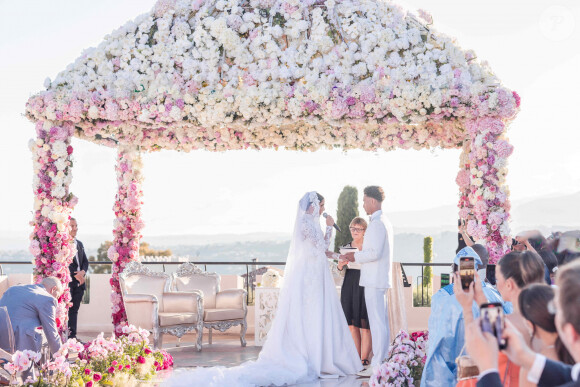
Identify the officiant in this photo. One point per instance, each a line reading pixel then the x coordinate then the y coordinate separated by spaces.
pixel 78 270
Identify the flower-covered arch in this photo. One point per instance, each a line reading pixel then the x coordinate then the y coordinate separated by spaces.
pixel 295 74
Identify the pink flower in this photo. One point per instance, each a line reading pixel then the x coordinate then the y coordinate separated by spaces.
pixel 462 179
pixel 503 148
pixel 97 376
pixel 141 360
pixel 517 98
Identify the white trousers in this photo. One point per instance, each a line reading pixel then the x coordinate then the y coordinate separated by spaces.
pixel 376 300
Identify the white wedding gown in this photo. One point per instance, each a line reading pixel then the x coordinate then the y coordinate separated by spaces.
pixel 309 337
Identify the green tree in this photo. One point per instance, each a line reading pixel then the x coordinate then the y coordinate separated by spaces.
pixel 101 256
pixel 347 210
pixel 146 251
pixel 427 258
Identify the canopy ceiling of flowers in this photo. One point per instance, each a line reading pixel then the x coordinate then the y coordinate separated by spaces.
pixel 237 74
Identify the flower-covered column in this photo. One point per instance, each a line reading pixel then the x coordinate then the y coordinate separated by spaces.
pixel 463 181
pixel 51 244
pixel 489 195
pixel 128 224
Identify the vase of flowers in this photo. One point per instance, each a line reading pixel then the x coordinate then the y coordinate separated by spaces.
pixel 271 279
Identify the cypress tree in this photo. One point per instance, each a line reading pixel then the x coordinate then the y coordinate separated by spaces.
pixel 346 211
pixel 427 258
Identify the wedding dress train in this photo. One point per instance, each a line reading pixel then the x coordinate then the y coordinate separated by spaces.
pixel 309 337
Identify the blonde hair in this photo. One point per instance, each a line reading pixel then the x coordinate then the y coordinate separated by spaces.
pixel 359 221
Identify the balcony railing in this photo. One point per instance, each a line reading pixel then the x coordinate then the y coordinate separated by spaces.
pixel 250 276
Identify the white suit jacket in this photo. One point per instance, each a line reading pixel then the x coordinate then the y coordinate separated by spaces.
pixel 376 254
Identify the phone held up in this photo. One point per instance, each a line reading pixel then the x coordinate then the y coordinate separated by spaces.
pixel 466 271
pixel 493 321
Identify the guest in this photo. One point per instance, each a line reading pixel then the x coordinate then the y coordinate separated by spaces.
pixel 566 246
pixel 533 304
pixel 32 306
pixel 541 371
pixel 352 295
pixel 446 323
pixel 534 241
pixel 514 271
pixel 78 269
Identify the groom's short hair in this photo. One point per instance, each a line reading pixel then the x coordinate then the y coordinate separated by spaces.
pixel 375 192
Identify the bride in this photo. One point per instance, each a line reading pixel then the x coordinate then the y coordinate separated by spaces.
pixel 309 337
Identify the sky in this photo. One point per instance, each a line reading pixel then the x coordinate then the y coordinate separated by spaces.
pixel 533 46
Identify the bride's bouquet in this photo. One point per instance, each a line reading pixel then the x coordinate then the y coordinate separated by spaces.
pixel 271 279
pixel 404 365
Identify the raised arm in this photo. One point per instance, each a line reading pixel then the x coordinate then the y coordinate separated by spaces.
pixel 327 237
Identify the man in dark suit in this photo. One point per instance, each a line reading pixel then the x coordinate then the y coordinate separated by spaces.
pixel 78 270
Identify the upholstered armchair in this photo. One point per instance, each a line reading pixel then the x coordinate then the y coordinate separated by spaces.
pixel 221 309
pixel 151 305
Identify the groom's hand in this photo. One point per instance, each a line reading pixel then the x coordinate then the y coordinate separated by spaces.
pixel 347 257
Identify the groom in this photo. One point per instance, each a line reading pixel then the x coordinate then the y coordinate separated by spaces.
pixel 375 272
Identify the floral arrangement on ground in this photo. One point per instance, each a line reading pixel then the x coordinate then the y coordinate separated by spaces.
pixel 116 361
pixel 405 362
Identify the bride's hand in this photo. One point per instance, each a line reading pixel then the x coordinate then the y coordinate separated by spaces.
pixel 329 220
pixel 329 254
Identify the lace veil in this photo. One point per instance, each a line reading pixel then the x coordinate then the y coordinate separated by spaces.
pixel 308 212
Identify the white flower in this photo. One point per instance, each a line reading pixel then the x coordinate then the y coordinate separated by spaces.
pixel 93 112
pixel 271 279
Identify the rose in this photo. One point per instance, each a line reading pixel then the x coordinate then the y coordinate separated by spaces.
pixel 97 376
pixel 141 360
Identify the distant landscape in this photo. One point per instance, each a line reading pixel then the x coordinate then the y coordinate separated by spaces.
pixel 545 214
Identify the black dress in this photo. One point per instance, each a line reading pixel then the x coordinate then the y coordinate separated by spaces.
pixel 352 298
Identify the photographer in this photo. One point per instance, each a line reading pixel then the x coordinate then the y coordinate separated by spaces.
pixel 545 372
pixel 446 323
pixel 513 272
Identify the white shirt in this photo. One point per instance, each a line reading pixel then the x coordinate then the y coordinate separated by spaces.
pixel 77 255
pixel 538 367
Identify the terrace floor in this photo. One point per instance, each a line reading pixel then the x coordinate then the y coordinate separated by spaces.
pixel 225 351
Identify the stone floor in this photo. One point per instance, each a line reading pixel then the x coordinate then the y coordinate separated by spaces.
pixel 225 351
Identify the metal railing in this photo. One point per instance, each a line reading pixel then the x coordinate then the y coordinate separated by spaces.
pixel 425 298
pixel 249 285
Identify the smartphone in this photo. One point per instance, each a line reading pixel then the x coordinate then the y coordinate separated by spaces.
pixel 493 321
pixel 466 271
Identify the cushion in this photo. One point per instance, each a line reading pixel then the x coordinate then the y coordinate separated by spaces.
pixel 140 284
pixel 166 319
pixel 222 314
pixel 208 285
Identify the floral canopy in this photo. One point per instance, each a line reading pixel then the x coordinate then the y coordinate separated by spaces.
pixel 237 74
